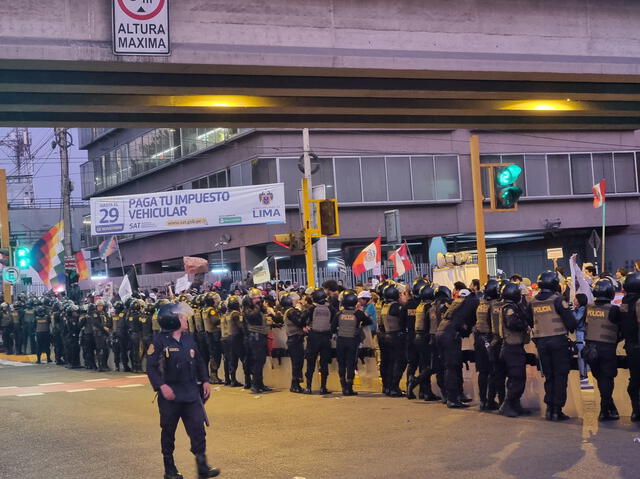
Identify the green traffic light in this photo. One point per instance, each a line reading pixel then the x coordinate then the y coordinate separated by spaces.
pixel 509 175
pixel 23 263
pixel 23 257
pixel 23 252
pixel 509 196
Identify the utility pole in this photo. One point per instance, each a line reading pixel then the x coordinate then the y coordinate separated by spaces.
pixel 306 209
pixel 64 140
pixel 4 227
pixel 478 210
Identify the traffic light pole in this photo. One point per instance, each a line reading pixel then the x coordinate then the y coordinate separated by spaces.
pixel 478 208
pixel 306 209
pixel 4 226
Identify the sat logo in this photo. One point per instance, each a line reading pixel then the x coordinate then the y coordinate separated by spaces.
pixel 266 198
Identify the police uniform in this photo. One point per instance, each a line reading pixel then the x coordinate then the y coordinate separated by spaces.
pixel 490 376
pixel 29 329
pixel 211 320
pixel 412 355
pixel 88 342
pixel 436 313
pixel 552 321
pixel 601 337
pixel 117 341
pixel 57 326
pixel 43 333
pixel 256 330
pixel 630 325
pixel 6 323
pixel 319 318
pixel 294 325
pixel 134 337
pixel 71 336
pixel 422 345
pixel 18 337
pixel 231 339
pixel 99 322
pixel 347 324
pixel 513 331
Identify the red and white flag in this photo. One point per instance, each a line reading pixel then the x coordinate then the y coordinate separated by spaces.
pixel 401 261
pixel 598 194
pixel 368 257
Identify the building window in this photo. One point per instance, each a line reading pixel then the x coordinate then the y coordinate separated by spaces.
pixel 348 178
pixel 374 181
pixel 535 175
pixel 423 177
pixel 447 179
pixel 263 171
pixel 581 174
pixel 235 175
pixel 399 178
pixel 625 174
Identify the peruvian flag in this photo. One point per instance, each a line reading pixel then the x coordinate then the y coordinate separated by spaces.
pixel 598 194
pixel 368 257
pixel 401 261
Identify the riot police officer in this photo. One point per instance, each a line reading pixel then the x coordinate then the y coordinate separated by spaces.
pixel 211 320
pixel 256 330
pixel 71 335
pixel 483 337
pixel 29 326
pixel 231 338
pixel 630 316
pixel 439 307
pixel 99 321
pixel 43 333
pixel 17 318
pixel 57 327
pixel 87 339
pixel 135 319
pixel 392 334
pixel 457 323
pixel 117 340
pixel 423 347
pixel 294 326
pixel 147 311
pixel 6 323
pixel 179 374
pixel 552 321
pixel 318 318
pixel 514 331
pixel 348 324
pixel 409 313
pixel 601 335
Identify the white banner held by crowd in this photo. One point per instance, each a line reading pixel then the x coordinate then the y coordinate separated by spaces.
pixel 182 284
pixel 188 209
pixel 261 272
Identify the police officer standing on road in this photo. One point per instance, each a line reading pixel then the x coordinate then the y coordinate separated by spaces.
pixel 483 337
pixel 231 334
pixel 552 321
pixel 318 320
pixel 514 331
pixel 57 326
pixel 392 333
pixel 294 326
pixel 255 321
pixel 601 335
pixel 178 373
pixel 43 332
pixel 6 323
pixel 100 322
pixel 630 309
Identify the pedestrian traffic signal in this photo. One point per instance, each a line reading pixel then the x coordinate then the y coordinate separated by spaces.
pixel 5 257
pixel 328 211
pixel 23 257
pixel 505 192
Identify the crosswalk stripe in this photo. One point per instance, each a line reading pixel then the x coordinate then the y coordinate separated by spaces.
pixel 29 394
pixel 80 390
pixel 49 384
pixel 95 380
pixel 137 376
pixel 130 386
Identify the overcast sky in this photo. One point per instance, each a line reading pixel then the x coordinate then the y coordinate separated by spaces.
pixel 47 162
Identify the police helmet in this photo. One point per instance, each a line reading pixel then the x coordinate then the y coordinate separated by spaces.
pixel 443 292
pixel 632 282
pixel 286 301
pixel 391 293
pixel 41 311
pixel 319 296
pixel 233 303
pixel 603 290
pixel 73 308
pixel 169 317
pixel 349 299
pixel 549 281
pixel 255 293
pixel 417 286
pixel 492 289
pixel 427 293
pixel 91 308
pixel 118 306
pixel 511 292
pixel 380 287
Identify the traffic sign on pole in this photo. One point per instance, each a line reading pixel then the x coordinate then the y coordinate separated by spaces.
pixel 10 275
pixel 141 27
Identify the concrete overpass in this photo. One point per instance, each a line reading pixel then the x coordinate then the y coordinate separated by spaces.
pixel 483 64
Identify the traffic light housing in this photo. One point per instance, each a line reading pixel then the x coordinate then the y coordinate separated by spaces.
pixel 293 241
pixel 328 216
pixel 22 257
pixel 505 192
pixel 5 257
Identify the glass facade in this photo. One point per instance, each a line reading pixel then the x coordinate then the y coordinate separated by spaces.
pixel 571 174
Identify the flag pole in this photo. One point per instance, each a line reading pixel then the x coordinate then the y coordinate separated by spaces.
pixel 604 222
pixel 120 255
pixel 413 263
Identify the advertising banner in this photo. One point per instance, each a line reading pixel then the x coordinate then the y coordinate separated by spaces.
pixel 188 209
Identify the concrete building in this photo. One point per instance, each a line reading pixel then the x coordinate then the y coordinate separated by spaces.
pixel 424 174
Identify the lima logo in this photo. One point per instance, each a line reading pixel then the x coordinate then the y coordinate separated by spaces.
pixel 266 198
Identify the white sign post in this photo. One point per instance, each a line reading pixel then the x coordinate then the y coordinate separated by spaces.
pixel 188 209
pixel 141 27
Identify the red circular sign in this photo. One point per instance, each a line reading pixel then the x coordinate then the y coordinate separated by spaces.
pixel 137 16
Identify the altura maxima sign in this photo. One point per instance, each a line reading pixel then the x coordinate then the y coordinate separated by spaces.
pixel 141 27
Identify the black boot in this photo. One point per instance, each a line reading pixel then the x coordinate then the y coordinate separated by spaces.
pixel 343 384
pixel 235 383
pixel 548 414
pixel 464 398
pixel 203 467
pixel 492 405
pixel 295 386
pixel 247 382
pixel 308 389
pixel 323 385
pixel 635 410
pixel 170 470
pixel 350 389
pixel 264 389
pixel 613 412
pixel 558 415
pixel 411 385
pixel 428 394
pixel 520 410
pixel 214 378
pixel 507 410
pixel 456 405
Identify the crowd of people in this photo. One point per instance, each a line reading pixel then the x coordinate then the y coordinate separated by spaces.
pixel 410 330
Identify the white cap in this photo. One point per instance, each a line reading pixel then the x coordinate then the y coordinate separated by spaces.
pixel 364 294
pixel 464 292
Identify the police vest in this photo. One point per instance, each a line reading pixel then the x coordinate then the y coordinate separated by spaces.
pixel 292 328
pixel 390 322
pixel 197 319
pixel 378 308
pixel 42 324
pixel 448 314
pixel 259 326
pixel 496 306
pixel 546 320
pixel 435 315
pixel 134 323
pixel 422 322
pixel 115 322
pixel 15 317
pixel 633 313
pixel 211 320
pixel 29 315
pixel 6 319
pixel 598 326
pixel 347 324
pixel 483 319
pixel 321 319
pixel 411 315
pixel 192 324
pixel 510 336
pixel 155 326
pixel 229 324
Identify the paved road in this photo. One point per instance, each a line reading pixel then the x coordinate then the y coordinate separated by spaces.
pixel 104 430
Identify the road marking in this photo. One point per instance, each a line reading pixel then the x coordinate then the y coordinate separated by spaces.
pixel 95 380
pixel 49 384
pixel 130 386
pixel 80 390
pixel 29 394
pixel 137 376
pixel 9 387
